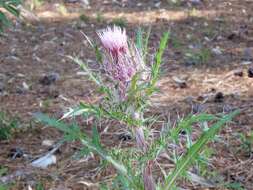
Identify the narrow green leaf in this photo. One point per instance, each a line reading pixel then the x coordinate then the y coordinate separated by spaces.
pixel 95 137
pixel 3 20
pixel 155 69
pixel 145 44
pixel 139 40
pixel 98 54
pixel 121 168
pixel 186 160
pixel 11 9
pixel 189 121
pixel 72 131
pixel 91 75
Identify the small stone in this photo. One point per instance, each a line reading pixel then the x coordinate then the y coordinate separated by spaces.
pixel 227 108
pixel 157 5
pixel 207 39
pixel 250 72
pixel 219 38
pixel 25 86
pixel 49 79
pixel 238 72
pixel 246 62
pixel 20 90
pixel 232 36
pixel 86 2
pixel 217 51
pixel 20 75
pixel 180 82
pixel 125 137
pixel 219 97
pixel 16 153
pixel 47 143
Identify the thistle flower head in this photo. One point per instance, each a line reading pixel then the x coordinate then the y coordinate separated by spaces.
pixel 114 39
pixel 121 61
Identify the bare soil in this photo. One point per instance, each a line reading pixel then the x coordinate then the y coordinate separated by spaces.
pixel 35 47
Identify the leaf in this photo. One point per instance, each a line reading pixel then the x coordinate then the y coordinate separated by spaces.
pixel 145 44
pixel 189 121
pixel 158 58
pixel 74 112
pixel 93 77
pixel 98 54
pixel 10 6
pixel 3 20
pixel 95 137
pixel 186 160
pixel 139 40
pixel 11 9
pixel 121 168
pixel 72 132
pixel 142 42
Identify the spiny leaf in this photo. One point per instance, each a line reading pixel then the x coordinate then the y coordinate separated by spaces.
pixel 71 131
pixel 186 160
pixel 155 69
pixel 91 75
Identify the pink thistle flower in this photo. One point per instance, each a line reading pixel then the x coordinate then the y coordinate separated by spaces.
pixel 121 61
pixel 114 40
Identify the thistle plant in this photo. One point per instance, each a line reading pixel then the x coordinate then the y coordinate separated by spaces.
pixel 127 81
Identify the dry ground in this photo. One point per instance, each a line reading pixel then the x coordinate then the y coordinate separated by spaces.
pixel 37 47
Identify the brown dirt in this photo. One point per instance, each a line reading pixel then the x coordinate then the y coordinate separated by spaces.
pixel 32 49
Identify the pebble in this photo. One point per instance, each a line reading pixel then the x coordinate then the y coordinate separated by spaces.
pixel 219 97
pixel 180 82
pixel 20 90
pixel 25 86
pixel 238 72
pixel 47 142
pixel 250 72
pixel 246 62
pixel 217 51
pixel 49 79
pixel 16 153
pixel 125 137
